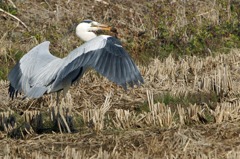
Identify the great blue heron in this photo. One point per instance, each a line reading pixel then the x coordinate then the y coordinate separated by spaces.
pixel 39 72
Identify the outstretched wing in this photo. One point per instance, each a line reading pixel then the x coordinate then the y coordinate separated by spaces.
pixel 106 55
pixel 27 67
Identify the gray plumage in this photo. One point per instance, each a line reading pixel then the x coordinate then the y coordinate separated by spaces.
pixel 39 72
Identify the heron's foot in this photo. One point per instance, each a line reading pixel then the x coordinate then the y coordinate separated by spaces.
pixel 63 120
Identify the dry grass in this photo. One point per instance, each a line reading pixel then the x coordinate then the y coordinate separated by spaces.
pixel 134 124
pixel 147 29
pixel 187 108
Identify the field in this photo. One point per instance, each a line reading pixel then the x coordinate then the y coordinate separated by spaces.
pixel 188 107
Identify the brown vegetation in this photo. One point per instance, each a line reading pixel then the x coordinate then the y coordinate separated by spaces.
pixel 188 107
pixel 109 123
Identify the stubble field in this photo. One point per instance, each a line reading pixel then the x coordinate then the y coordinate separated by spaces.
pixel 188 107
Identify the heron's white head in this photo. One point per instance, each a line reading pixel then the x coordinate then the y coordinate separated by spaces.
pixel 85 30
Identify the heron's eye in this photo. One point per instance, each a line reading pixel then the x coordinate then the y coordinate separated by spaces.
pixel 94 23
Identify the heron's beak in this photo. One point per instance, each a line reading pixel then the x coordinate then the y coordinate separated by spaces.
pixel 103 27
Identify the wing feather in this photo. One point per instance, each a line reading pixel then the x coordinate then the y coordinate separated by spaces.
pixel 100 62
pixel 29 65
pixel 114 69
pixel 106 55
pixel 39 71
pixel 122 74
pixel 106 58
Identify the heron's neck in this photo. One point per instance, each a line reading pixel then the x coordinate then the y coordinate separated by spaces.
pixel 85 36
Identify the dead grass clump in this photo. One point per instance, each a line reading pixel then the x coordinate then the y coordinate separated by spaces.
pixel 227 111
pixel 235 153
pixel 125 119
pixel 159 114
pixel 74 153
pixel 34 118
pixel 96 117
pixel 191 114
pixel 7 121
pixel 220 82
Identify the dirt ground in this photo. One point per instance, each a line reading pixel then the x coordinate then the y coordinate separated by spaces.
pixel 187 108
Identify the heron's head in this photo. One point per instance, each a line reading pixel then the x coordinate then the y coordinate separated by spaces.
pixel 87 28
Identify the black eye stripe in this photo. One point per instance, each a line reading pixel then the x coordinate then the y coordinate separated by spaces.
pixel 87 21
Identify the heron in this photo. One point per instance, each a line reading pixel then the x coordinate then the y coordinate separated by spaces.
pixel 39 72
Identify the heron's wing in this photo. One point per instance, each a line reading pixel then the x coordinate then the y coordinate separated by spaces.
pixel 27 67
pixel 41 82
pixel 106 55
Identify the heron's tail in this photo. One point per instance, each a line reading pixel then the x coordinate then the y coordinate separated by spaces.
pixel 12 92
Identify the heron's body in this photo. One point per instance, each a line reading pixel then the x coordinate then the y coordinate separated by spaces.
pixel 39 72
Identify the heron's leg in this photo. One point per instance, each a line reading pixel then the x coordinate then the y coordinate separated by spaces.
pixel 64 118
pixel 65 95
pixel 57 100
pixel 65 90
pixel 55 112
